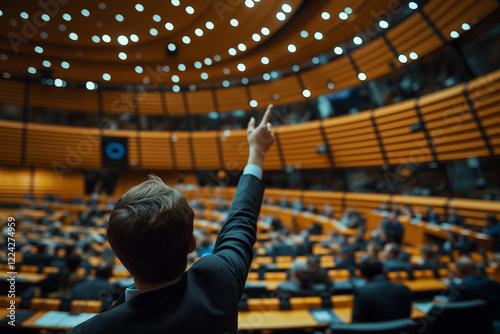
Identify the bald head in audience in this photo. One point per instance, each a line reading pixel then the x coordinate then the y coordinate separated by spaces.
pixel 466 267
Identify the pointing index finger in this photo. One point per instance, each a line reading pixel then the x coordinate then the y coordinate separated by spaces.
pixel 267 115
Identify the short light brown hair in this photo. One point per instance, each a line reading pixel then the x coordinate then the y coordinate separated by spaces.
pixel 150 231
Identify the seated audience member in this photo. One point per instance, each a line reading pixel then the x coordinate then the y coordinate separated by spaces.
pixel 94 200
pixel 393 229
pixel 69 276
pixel 308 279
pixel 357 242
pixel 297 205
pixel 431 216
pixel 372 250
pixel 474 285
pixel 455 242
pixel 206 245
pixel 43 256
pixel 222 204
pixel 311 208
pixel 396 209
pixel 98 288
pixel 492 229
pixel 284 203
pixel 77 199
pixel 454 218
pixel 379 299
pixel 408 211
pixel 394 258
pixel 346 259
pixel 383 208
pixel 327 211
pixel 276 223
pixel 430 259
pixel 281 246
pixel 352 213
pixel 151 232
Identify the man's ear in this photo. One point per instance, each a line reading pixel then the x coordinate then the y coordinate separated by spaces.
pixel 192 243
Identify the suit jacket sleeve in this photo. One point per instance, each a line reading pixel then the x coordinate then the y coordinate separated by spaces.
pixel 358 309
pixel 238 235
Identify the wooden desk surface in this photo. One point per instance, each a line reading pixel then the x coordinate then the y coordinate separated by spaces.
pixel 425 285
pixel 26 277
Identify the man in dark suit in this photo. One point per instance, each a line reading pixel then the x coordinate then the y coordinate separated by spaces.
pixel 393 228
pixel 151 232
pixel 394 258
pixel 379 299
pixel 98 288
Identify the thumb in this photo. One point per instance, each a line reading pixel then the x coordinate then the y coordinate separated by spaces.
pixel 251 124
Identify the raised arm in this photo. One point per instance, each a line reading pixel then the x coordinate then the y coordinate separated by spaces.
pixel 237 236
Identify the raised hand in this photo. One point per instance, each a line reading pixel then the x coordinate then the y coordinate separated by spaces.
pixel 260 138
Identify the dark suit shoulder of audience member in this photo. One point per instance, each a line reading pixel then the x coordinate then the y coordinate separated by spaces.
pixel 379 299
pixel 308 279
pixel 98 288
pixel 392 260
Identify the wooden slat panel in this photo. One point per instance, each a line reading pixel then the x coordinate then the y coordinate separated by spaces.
pixel 15 183
pixel 12 92
pixel 155 149
pixel 200 102
pixel 63 98
pixel 149 103
pixel 205 150
pixel 11 139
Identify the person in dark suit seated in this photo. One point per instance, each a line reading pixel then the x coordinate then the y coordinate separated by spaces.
pixel 430 259
pixel 346 259
pixel 454 218
pixel 379 299
pixel 43 256
pixel 393 258
pixel 151 232
pixel 98 288
pixel 457 242
pixel 431 216
pixel 474 285
pixel 308 279
pixel 276 223
pixel 281 246
pixel 393 228
pixel 284 202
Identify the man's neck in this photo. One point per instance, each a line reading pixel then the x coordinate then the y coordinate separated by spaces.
pixel 142 286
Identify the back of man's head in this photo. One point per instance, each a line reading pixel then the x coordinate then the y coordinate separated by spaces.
pixel 466 267
pixel 391 250
pixel 150 230
pixel 371 267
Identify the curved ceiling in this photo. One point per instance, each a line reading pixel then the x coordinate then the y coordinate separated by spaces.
pixel 80 41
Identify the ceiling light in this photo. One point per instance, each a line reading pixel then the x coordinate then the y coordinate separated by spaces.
pixel 169 26
pixel 96 39
pixel 265 31
pixel 292 48
pixel 139 7
pixel 413 55
pixel 234 22
pixel 244 81
pixel 176 89
pixel 296 68
pixel 315 60
pixel 175 2
pixel 383 24
pixel 119 17
pixel 24 15
pixel 181 67
pixel 209 25
pixel 156 18
pixel 465 26
pixel 306 93
pixel 286 8
pixel 73 36
pixel 253 103
pixel 280 16
pixel 122 55
pixel 249 3
pixel 138 69
pixel 62 27
pixel 264 60
pixel 166 68
pixel 186 39
pixel 413 5
pixel 85 12
pixel 330 85
pixel 106 77
pixel 66 16
pixel 38 49
pixel 204 75
pixel 266 76
pixel 242 47
pixel 338 50
pixel 198 32
pixel 343 16
pixel 362 76
pixel 192 87
pixel 208 61
pixel 232 51
pixel 189 10
pixel 325 16
pixel 256 37
pixel 134 38
pixel 45 17
pixel 43 34
pixel 357 40
pixel 175 78
pixel 31 70
pixel 318 35
pixel 198 64
pixel 153 31
pixel 454 34
pixel 241 67
pixel 217 58
pixel 123 40
pixel 171 47
pixel 106 38
pixel 58 82
pixel 65 65
pixel 402 59
pixel 304 34
pixel 226 71
pixel 102 5
pixel 225 83
pixel 90 85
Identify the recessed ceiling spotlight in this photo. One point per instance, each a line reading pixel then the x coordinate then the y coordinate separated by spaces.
pixel 241 67
pixel 122 39
pixel 280 16
pixel 286 8
pixel 106 77
pixel 234 22
pixel 169 26
pixel 85 12
pixel 343 16
pixel 139 7
pixel 122 55
pixel 265 31
pixel 189 10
